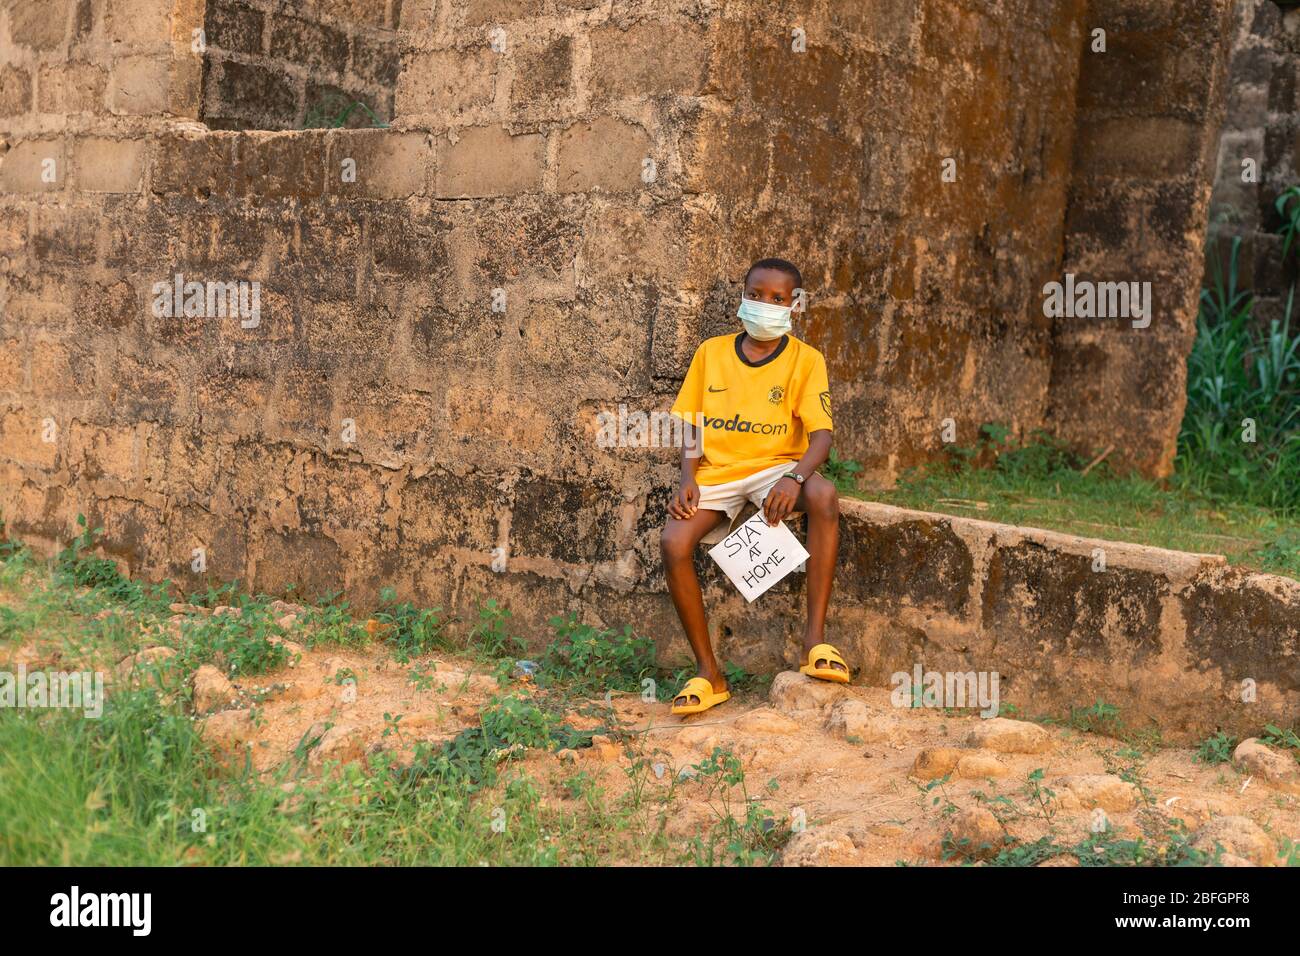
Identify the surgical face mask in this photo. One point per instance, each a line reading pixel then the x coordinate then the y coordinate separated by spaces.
pixel 763 320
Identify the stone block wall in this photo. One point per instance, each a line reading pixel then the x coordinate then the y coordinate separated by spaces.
pixel 1150 106
pixel 68 65
pixel 563 209
pixel 1261 128
pixel 273 64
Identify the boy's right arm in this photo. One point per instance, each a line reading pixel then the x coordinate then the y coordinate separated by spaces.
pixel 687 499
pixel 689 405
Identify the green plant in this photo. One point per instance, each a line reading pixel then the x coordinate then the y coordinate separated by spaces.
pixel 1100 718
pixel 515 721
pixel 411 630
pixel 591 660
pixel 1216 749
pixel 843 472
pixel 755 839
pixel 1043 798
pixel 1280 737
pixel 76 564
pixel 330 621
pixel 1240 437
pixel 492 636
pixel 333 111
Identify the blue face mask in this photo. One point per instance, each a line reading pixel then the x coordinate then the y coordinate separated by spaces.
pixel 764 321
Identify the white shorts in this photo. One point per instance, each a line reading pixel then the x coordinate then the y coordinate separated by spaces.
pixel 731 496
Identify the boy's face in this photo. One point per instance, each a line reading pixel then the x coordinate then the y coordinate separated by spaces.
pixel 770 285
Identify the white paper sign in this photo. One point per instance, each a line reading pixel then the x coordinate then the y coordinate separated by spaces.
pixel 756 555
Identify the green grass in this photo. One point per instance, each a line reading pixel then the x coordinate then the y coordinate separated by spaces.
pixel 139 786
pixel 1042 484
pixel 1240 439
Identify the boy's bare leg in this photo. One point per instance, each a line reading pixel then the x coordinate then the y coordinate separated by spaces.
pixel 820 502
pixel 677 544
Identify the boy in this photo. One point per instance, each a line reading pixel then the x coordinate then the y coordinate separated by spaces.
pixel 757 413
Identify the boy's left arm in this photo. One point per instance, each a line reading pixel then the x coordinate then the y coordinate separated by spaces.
pixel 814 410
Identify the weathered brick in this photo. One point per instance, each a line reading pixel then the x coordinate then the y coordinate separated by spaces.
pixel 12 352
pixel 108 165
pixel 387 163
pixel 364 12
pixel 605 153
pixel 478 12
pixel 648 59
pixel 253 93
pixel 138 85
pixel 545 76
pixel 65 234
pixel 447 82
pixel 34 166
pixel 309 44
pixel 137 23
pixel 193 163
pixel 376 61
pixel 234 27
pixel 488 161
pixel 15 91
pixel 22 437
pixel 41 26
pixel 275 165
pixel 1139 146
pixel 72 88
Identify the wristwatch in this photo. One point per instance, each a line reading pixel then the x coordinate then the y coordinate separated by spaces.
pixel 795 475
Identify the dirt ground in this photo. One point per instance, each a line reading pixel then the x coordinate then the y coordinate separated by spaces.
pixel 859 781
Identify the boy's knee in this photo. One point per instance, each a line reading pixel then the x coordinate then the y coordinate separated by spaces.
pixel 674 545
pixel 822 498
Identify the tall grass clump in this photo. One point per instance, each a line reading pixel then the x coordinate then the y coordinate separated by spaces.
pixel 1243 381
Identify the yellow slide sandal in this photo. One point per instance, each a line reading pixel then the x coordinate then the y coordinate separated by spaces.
pixel 701 690
pixel 820 659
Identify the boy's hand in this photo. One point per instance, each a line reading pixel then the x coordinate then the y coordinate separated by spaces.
pixel 780 501
pixel 686 501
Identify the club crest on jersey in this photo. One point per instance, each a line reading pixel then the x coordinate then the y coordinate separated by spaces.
pixel 776 394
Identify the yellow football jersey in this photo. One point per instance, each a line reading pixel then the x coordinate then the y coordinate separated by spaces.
pixel 753 415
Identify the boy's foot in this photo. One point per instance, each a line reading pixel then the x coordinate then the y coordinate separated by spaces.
pixel 699 694
pixel 825 663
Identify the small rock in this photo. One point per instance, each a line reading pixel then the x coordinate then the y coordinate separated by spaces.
pixel 293 647
pixel 1090 790
pixel 976 834
pixel 343 743
pixel 980 767
pixel 792 692
pixel 1196 811
pixel 147 658
pixel 935 762
pixel 566 755
pixel 228 729
pixel 1277 770
pixel 302 690
pixel 226 610
pixel 604 749
pixel 188 609
pixel 287 621
pixel 765 720
pixel 852 718
pixel 1239 836
pixel 211 690
pixel 1009 736
pixel 817 846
